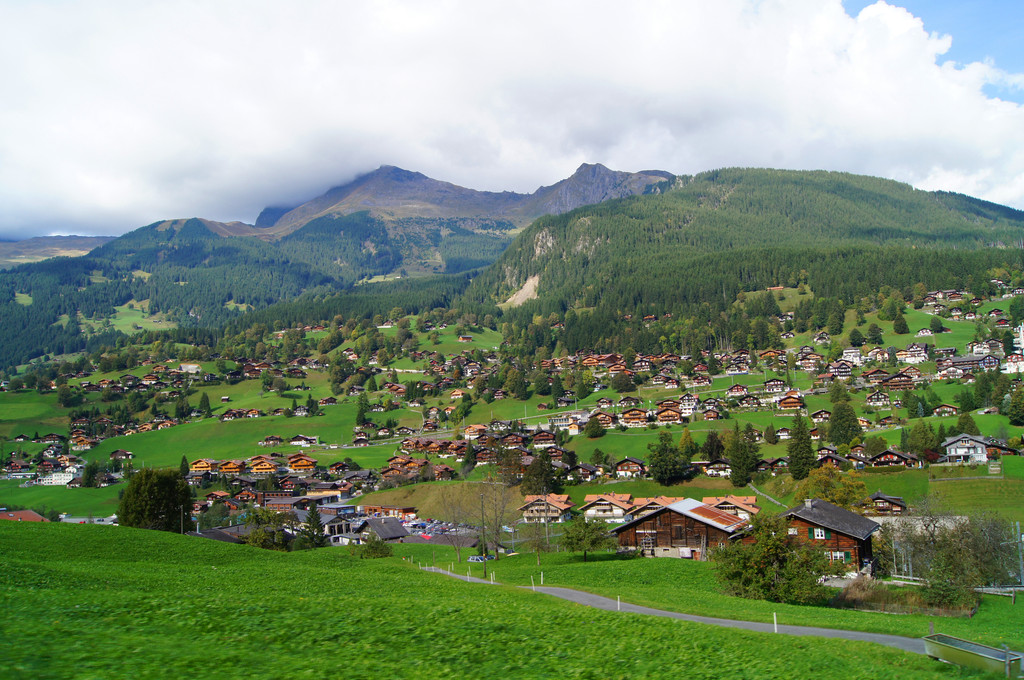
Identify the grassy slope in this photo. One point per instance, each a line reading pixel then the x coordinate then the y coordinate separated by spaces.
pixel 127 603
pixel 691 587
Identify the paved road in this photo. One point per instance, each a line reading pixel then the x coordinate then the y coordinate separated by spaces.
pixel 914 645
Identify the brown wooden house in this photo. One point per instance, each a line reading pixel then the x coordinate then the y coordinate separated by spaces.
pixel 842 534
pixel 687 528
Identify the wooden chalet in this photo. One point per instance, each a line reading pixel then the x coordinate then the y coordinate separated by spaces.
pixel 630 468
pixel 232 467
pixel 609 507
pixel 584 472
pixel 204 465
pixel 880 504
pixel 791 403
pixel 891 457
pixel 844 536
pixel 547 508
pixel 686 528
pixel 634 417
pixel 743 507
pixel 645 506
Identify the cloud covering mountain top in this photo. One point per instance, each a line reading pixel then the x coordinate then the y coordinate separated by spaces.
pixel 118 114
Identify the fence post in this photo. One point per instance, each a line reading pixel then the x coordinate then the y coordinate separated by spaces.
pixel 775 621
pixel 532 584
pixel 931 628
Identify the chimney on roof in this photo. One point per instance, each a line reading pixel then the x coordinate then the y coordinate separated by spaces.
pixel 807 503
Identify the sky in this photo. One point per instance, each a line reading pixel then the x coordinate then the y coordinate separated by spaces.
pixel 115 114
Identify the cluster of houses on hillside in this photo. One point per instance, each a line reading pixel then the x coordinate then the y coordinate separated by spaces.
pixel 53 466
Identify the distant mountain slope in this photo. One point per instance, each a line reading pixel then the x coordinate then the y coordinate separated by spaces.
pixel 394 193
pixel 41 247
pixel 704 238
pixel 199 272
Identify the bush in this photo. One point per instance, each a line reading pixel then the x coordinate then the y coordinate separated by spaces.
pixel 373 547
pixel 773 568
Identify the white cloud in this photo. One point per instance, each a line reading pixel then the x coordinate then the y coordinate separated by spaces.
pixel 117 113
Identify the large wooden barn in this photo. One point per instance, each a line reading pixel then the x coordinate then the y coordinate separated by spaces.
pixel 686 528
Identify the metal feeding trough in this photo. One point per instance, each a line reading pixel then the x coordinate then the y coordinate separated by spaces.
pixel 971 654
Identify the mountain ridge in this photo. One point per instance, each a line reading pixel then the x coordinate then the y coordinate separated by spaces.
pixel 391 192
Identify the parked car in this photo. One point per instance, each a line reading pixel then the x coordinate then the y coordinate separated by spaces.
pixel 479 558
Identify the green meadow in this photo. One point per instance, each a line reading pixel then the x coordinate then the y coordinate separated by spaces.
pixel 129 603
pixel 690 587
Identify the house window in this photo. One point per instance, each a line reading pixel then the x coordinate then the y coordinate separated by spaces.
pixel 819 533
pixel 839 556
pixel 793 531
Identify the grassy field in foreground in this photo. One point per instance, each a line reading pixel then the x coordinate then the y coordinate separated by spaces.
pixel 691 587
pixel 130 603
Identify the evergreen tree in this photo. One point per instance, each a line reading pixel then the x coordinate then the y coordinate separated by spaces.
pixel 570 459
pixel 770 436
pixel 899 325
pixel 712 447
pixel 593 429
pixel 90 474
pixel 856 338
pixel 843 426
pixel 557 390
pixel 204 405
pixel 183 466
pixel 874 334
pixel 539 477
pixel 800 449
pixel 965 424
pixel 742 458
pixel 1016 409
pixel 665 461
pixel 313 530
pixel 362 406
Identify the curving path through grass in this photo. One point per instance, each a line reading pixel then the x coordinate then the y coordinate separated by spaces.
pixel 906 644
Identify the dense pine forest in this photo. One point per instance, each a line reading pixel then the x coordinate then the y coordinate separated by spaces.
pixel 702 240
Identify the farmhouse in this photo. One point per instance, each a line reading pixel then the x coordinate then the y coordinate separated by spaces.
pixel 845 536
pixel 686 528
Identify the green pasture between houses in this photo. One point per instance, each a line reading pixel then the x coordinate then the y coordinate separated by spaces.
pixel 27 412
pixel 100 502
pixel 240 438
pixel 1013 467
pixel 130 603
pixel 691 587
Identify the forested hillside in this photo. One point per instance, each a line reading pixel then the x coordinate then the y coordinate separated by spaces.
pixel 199 273
pixel 703 239
pixel 687 246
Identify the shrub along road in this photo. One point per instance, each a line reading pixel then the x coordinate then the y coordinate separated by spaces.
pixel 906 644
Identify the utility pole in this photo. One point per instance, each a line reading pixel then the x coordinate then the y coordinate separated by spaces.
pixel 1020 555
pixel 483 532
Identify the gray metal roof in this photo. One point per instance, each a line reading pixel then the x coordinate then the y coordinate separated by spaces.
pixel 824 514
